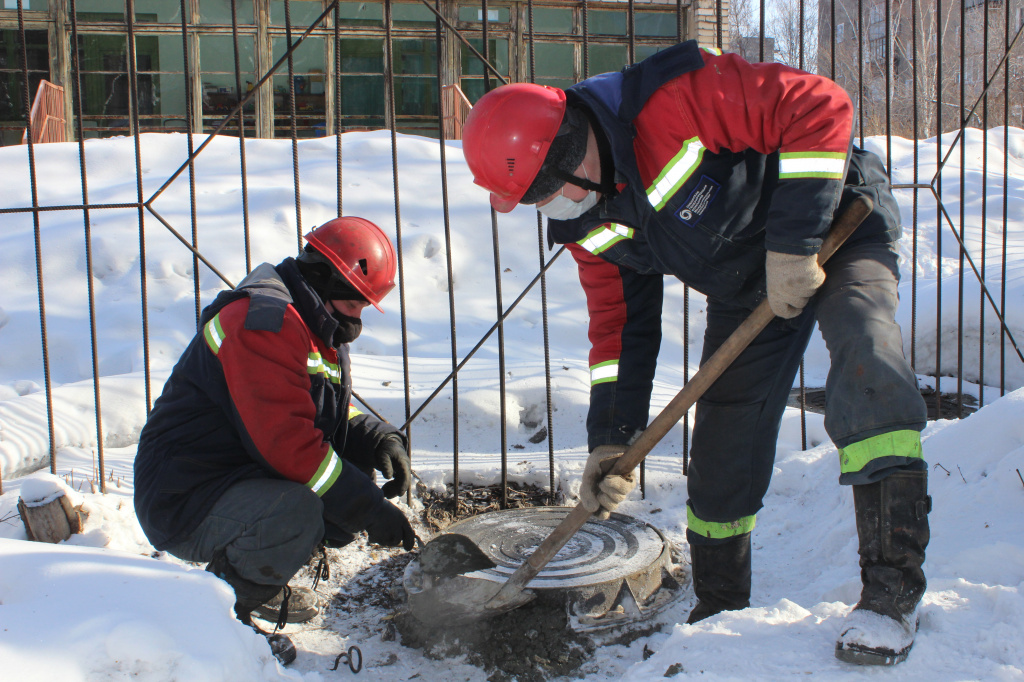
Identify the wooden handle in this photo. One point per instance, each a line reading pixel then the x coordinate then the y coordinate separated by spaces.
pixel 708 373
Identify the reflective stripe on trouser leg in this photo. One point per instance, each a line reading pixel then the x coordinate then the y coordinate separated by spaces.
pixel 871 389
pixel 737 418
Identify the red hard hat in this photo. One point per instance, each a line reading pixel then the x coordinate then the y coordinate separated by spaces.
pixel 506 137
pixel 360 252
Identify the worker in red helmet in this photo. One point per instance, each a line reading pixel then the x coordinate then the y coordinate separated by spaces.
pixel 726 175
pixel 253 456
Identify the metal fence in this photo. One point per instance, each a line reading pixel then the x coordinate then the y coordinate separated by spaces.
pixel 913 69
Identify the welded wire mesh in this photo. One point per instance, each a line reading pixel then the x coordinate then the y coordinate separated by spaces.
pixel 914 69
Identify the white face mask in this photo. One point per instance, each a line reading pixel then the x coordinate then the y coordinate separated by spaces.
pixel 564 208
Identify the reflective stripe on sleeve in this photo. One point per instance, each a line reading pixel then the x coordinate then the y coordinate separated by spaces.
pixel 214 334
pixel 676 173
pixel 604 372
pixel 327 474
pixel 713 529
pixel 827 165
pixel 316 364
pixel 353 411
pixel 906 443
pixel 604 237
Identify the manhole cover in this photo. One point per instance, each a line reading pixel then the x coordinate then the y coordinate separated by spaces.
pixel 601 551
pixel 612 572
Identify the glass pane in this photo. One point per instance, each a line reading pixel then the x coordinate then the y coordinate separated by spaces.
pixel 562 83
pixel 28 5
pixel 307 58
pixel 361 14
pixel 644 51
pixel 411 15
pixel 416 96
pixel 549 20
pixel 159 53
pixel 310 107
pixel 162 94
pixel 361 55
pixel 219 92
pixel 473 88
pixel 164 11
pixel 100 10
pixel 605 58
pixel 104 94
pixel 655 24
pixel 553 60
pixel 471 64
pixel 606 22
pixel 219 11
pixel 102 52
pixel 36 46
pixel 217 54
pixel 470 13
pixel 362 95
pixel 415 56
pixel 303 13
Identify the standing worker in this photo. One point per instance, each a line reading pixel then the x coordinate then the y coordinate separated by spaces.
pixel 253 456
pixel 727 175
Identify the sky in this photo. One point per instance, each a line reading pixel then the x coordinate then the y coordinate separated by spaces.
pixel 104 606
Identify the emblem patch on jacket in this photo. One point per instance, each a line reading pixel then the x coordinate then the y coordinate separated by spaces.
pixel 693 209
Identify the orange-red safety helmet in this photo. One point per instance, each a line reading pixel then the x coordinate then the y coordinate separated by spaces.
pixel 361 253
pixel 506 137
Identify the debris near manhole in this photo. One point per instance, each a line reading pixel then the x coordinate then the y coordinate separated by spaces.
pixel 533 643
pixel 439 510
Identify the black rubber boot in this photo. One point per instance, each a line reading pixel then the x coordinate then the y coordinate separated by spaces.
pixel 721 576
pixel 892 526
pixel 248 597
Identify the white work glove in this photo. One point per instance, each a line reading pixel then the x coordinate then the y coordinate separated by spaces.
pixel 601 494
pixel 792 280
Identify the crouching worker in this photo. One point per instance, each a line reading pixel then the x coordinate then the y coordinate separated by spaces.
pixel 252 456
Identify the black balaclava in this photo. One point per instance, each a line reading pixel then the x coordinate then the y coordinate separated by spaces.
pixel 329 285
pixel 565 155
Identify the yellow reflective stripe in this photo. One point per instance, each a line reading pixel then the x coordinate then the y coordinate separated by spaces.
pixel 856 456
pixel 676 173
pixel 828 165
pixel 327 474
pixel 603 372
pixel 713 529
pixel 604 237
pixel 315 364
pixel 353 411
pixel 214 334
pixel 713 50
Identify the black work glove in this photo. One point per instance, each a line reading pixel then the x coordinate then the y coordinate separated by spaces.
pixel 392 460
pixel 390 528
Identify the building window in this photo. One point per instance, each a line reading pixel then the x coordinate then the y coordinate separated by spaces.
pixel 12 83
pixel 472 81
pixel 876 34
pixel 839 32
pixel 28 5
pixel 308 82
pixel 362 83
pixel 220 86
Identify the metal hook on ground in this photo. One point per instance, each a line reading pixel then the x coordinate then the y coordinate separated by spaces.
pixel 352 657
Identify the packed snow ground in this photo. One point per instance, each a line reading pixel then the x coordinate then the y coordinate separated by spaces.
pixel 102 607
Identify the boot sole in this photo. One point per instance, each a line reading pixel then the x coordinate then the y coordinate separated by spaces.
pixel 862 655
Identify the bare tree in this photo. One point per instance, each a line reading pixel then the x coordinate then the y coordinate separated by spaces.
pixel 794 25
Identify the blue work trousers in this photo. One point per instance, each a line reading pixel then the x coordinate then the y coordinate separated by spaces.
pixel 871 388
